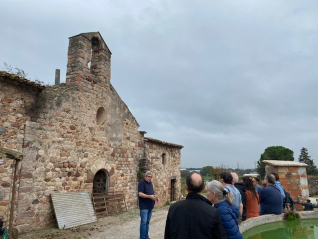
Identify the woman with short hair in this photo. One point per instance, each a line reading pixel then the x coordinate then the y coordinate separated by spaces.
pixel 223 202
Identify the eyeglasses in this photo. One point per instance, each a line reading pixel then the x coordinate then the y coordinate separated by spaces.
pixel 149 176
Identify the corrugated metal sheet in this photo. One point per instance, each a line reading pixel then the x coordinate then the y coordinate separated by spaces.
pixel 73 209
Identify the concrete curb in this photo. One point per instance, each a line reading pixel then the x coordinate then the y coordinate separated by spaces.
pixel 257 221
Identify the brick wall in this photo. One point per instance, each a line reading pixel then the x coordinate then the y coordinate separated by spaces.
pixel 294 180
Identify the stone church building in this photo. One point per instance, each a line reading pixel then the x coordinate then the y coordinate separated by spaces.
pixel 73 136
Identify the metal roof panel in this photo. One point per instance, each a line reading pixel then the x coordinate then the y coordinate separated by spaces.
pixel 73 209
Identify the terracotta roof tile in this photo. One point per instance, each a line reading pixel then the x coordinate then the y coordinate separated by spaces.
pixel 12 77
pixel 163 142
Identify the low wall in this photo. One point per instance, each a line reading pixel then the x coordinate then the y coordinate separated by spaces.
pixel 257 221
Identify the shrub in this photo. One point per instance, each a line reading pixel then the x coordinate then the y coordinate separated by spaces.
pixel 291 216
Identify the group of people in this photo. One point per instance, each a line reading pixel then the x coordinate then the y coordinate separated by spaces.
pixel 219 213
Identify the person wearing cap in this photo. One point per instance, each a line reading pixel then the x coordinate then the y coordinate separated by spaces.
pixel 147 199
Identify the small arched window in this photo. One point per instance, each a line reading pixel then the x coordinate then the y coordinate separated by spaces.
pixel 164 159
pixel 100 116
pixel 93 65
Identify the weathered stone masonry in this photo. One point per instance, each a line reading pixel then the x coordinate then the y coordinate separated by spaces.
pixel 69 132
pixel 16 97
pixel 165 161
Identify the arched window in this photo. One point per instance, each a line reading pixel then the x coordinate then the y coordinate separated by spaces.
pixel 164 160
pixel 100 116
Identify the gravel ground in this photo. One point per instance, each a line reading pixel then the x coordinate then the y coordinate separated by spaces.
pixel 121 226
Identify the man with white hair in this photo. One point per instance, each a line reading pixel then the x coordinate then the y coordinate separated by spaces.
pixel 241 187
pixel 147 199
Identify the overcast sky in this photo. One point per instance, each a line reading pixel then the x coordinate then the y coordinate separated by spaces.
pixel 225 79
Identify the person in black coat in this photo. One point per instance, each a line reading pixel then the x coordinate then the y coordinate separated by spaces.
pixel 194 217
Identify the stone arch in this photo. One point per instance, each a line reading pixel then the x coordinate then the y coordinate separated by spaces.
pixel 101 182
pixel 100 164
pixel 95 54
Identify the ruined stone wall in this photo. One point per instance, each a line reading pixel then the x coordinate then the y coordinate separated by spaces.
pixel 164 171
pixel 15 100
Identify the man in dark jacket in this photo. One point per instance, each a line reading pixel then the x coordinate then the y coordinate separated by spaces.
pixel 241 187
pixel 270 198
pixel 194 217
pixel 147 199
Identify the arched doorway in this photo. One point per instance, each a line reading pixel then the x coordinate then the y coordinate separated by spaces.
pixel 101 182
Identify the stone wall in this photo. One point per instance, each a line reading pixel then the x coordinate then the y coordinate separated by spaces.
pixel 69 132
pixel 165 164
pixel 80 128
pixel 65 147
pixel 312 185
pixel 16 97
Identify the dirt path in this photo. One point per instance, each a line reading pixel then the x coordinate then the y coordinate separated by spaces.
pixel 122 226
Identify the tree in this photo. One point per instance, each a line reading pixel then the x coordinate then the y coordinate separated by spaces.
pixel 216 171
pixel 184 173
pixel 274 153
pixel 205 171
pixel 305 158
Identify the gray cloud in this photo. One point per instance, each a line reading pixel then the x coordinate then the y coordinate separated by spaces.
pixel 225 79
